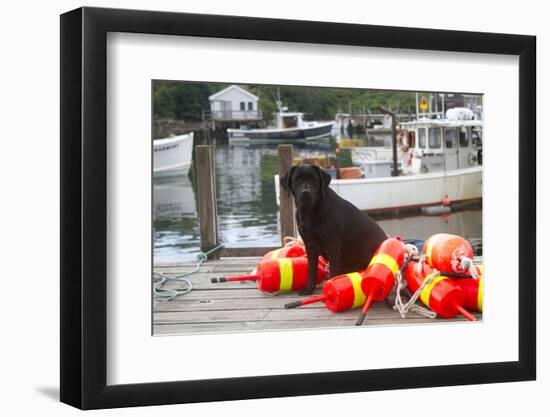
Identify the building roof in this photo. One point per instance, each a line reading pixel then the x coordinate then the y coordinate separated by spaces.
pixel 232 87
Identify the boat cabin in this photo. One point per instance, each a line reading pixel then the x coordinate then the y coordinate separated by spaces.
pixel 432 145
pixel 286 120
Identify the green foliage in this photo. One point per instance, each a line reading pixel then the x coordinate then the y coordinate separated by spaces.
pixel 181 100
pixel 186 100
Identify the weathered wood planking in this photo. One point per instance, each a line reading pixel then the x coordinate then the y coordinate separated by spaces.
pixel 222 327
pixel 207 204
pixel 286 201
pixel 239 306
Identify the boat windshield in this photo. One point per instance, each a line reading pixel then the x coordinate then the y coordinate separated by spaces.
pixel 422 138
pixel 476 136
pixel 463 138
pixel 290 121
pixel 435 138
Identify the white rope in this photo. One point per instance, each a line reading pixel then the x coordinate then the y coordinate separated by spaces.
pixel 404 308
pixel 467 264
pixel 411 249
pixel 289 240
pixel 167 294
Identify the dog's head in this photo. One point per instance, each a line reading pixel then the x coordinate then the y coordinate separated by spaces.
pixel 307 183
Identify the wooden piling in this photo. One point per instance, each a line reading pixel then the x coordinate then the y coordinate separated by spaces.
pixel 207 205
pixel 286 200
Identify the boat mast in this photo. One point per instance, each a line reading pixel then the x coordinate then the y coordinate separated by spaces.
pixel 278 101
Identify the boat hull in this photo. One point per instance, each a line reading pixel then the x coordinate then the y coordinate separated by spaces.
pixel 294 134
pixel 379 195
pixel 172 156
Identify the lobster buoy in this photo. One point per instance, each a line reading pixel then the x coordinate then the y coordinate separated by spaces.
pixel 339 293
pixel 293 249
pixel 379 277
pixel 442 295
pixel 448 253
pixel 473 291
pixel 284 274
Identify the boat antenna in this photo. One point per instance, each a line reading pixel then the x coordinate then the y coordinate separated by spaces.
pixel 277 100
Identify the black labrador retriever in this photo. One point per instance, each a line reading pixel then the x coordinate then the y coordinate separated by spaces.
pixel 329 225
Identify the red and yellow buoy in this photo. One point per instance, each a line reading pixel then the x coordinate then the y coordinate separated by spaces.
pixel 446 253
pixel 473 291
pixel 379 277
pixel 339 293
pixel 293 249
pixel 441 294
pixel 283 274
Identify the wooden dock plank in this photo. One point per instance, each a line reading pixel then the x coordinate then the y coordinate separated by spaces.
pixel 223 327
pixel 223 294
pixel 240 306
pixel 377 312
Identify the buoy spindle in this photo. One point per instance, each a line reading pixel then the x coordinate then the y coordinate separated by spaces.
pixel 365 310
pixel 307 301
pixel 465 313
pixel 236 278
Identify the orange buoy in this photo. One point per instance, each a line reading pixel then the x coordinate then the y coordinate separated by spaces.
pixel 284 274
pixel 293 249
pixel 473 291
pixel 442 295
pixel 339 293
pixel 447 253
pixel 379 277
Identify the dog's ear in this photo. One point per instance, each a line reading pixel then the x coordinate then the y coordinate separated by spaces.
pixel 324 180
pixel 286 181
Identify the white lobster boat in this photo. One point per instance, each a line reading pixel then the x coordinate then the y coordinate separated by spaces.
pixel 173 155
pixel 439 159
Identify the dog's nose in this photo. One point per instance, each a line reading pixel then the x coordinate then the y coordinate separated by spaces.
pixel 306 193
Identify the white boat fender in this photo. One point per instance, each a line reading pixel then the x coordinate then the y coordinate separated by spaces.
pixel 435 210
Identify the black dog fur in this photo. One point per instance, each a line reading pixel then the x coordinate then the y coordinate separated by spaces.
pixel 329 225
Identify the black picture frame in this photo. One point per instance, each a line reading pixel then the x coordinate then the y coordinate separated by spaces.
pixel 84 207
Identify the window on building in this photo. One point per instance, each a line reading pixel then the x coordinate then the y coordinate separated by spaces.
pixel 250 106
pixel 422 138
pixel 434 138
pixel 243 105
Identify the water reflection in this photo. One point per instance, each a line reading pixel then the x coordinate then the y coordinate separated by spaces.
pixel 247 212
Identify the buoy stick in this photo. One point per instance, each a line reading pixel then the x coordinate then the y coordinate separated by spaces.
pixel 307 301
pixel 364 310
pixel 236 278
pixel 466 313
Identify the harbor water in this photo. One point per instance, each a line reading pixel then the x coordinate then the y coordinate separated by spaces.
pixel 247 210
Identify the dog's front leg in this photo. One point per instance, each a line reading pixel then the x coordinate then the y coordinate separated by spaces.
pixel 312 261
pixel 335 263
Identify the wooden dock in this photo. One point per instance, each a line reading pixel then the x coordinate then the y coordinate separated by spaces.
pixel 240 306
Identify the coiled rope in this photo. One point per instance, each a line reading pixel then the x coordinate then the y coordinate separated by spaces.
pixel 160 279
pixel 401 284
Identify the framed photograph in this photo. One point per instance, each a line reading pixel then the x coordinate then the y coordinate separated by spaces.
pixel 260 208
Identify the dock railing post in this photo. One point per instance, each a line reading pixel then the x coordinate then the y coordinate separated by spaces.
pixel 207 205
pixel 286 201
